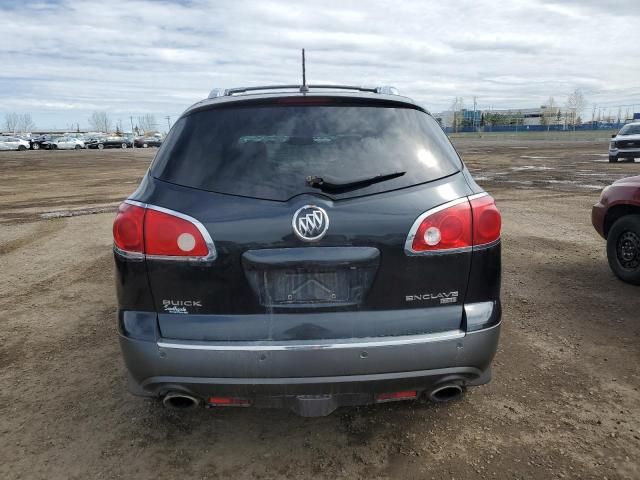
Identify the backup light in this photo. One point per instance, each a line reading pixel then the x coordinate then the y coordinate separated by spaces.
pixel 432 236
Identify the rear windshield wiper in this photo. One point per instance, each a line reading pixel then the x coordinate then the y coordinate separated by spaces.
pixel 327 184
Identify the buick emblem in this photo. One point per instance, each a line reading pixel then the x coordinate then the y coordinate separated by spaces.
pixel 310 223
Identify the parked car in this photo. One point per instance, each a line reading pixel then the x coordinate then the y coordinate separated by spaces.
pixel 626 144
pixel 616 217
pixel 37 143
pixel 13 143
pixel 307 250
pixel 144 142
pixel 110 142
pixel 66 143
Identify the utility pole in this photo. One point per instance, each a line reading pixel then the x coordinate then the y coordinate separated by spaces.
pixel 133 138
pixel 168 117
pixel 474 111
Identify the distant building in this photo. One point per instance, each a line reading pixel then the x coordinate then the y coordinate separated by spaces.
pixel 470 119
pixel 526 116
pixel 464 117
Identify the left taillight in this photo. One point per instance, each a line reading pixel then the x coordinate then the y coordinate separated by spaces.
pixel 157 232
pixel 166 234
pixel 128 228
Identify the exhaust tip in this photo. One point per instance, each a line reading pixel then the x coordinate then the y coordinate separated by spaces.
pixel 446 393
pixel 180 401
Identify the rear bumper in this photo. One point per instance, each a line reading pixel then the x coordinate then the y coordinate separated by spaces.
pixel 598 213
pixel 271 374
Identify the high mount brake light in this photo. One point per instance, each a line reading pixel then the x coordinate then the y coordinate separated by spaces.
pixel 142 230
pixel 455 226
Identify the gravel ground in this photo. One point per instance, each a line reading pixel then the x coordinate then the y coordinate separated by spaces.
pixel 564 402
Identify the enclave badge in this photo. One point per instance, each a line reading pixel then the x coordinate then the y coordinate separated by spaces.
pixel 310 223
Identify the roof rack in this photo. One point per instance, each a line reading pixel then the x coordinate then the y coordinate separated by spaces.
pixel 384 90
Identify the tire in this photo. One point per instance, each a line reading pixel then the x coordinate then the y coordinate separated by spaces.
pixel 77 147
pixel 124 145
pixel 613 159
pixel 36 146
pixel 100 146
pixel 22 148
pixel 623 248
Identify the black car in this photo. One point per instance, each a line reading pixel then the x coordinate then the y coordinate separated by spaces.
pixel 41 142
pixel 307 249
pixel 109 142
pixel 145 142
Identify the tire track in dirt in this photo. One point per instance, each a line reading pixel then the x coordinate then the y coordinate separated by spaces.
pixel 42 232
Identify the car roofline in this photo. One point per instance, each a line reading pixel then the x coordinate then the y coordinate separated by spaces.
pixel 249 97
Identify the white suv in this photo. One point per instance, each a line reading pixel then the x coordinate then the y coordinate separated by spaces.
pixel 626 144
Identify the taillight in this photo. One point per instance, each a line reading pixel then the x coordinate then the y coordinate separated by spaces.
pixel 455 226
pixel 168 235
pixel 487 220
pixel 147 230
pixel 128 228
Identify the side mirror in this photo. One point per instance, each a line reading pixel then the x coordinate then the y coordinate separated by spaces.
pixel 614 136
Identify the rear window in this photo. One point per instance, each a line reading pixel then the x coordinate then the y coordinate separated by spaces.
pixel 268 151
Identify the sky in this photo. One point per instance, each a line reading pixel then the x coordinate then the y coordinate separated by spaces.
pixel 62 60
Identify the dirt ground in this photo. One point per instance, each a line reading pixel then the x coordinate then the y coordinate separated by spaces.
pixel 564 402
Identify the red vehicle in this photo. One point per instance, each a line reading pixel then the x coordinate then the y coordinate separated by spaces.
pixel 616 217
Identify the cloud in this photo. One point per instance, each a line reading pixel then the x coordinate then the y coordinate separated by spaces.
pixel 63 59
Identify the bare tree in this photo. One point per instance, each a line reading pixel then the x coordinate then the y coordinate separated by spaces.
pixel 456 107
pixel 575 105
pixel 18 122
pixel 549 113
pixel 100 122
pixel 11 122
pixel 26 124
pixel 147 123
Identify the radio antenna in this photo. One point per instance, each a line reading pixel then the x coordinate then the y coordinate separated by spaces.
pixel 304 88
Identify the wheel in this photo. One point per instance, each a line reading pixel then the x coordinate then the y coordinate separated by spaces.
pixel 144 145
pixel 613 159
pixel 124 145
pixel 36 146
pixel 623 248
pixel 22 148
pixel 100 146
pixel 77 147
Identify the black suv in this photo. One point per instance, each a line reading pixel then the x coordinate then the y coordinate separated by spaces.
pixel 307 249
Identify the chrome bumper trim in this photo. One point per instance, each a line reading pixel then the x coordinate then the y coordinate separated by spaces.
pixel 315 345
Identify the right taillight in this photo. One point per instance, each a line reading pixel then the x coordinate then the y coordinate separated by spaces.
pixel 455 226
pixel 487 220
